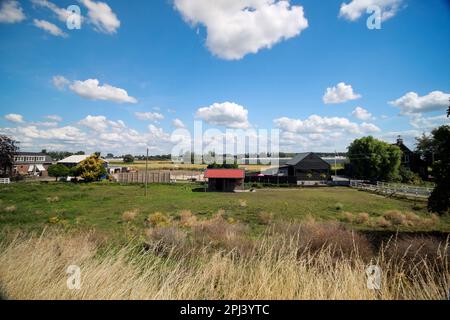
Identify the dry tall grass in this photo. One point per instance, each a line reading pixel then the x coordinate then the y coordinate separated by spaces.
pixel 288 262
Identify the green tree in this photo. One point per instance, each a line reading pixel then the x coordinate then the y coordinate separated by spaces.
pixel 8 148
pixel 91 169
pixel 58 170
pixel 374 159
pixel 439 201
pixel 128 158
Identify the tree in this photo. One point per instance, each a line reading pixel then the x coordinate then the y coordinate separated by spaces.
pixel 374 159
pixel 439 201
pixel 58 170
pixel 128 158
pixel 425 148
pixel 91 169
pixel 8 148
pixel 110 156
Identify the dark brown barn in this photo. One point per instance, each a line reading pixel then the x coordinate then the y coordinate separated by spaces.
pixel 225 180
pixel 308 166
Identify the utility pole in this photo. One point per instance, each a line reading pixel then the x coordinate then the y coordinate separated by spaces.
pixel 335 163
pixel 146 173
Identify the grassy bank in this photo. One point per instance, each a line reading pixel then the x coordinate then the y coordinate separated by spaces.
pixel 310 261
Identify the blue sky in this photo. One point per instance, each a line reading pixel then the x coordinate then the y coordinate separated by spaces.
pixel 137 70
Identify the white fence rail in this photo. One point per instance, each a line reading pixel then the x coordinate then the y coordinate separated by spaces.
pixel 5 181
pixel 392 189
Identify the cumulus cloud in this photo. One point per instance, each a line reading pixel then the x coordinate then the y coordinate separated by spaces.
pixel 150 116
pixel 177 123
pixel 412 103
pixel 420 122
pixel 227 114
pixel 13 117
pixel 91 89
pixel 318 133
pixel 61 13
pixel 93 133
pixel 236 28
pixel 339 94
pixel 60 82
pixel 50 28
pixel 101 123
pixel 101 16
pixel 362 114
pixel 11 12
pixel 353 10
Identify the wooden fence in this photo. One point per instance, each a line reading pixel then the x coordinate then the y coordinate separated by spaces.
pixel 393 189
pixel 139 177
pixel 5 181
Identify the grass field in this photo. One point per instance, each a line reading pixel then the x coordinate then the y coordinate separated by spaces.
pixel 101 206
pixel 176 242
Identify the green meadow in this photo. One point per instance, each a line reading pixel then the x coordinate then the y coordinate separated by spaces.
pixel 101 206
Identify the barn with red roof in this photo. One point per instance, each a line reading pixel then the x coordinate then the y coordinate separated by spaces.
pixel 225 180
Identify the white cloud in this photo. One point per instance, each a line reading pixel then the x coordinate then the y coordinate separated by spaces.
pixel 412 103
pixel 11 12
pixel 227 114
pixel 362 114
pixel 61 14
pixel 91 89
pixel 101 16
pixel 177 123
pixel 150 116
pixel 340 94
pixel 420 122
pixel 50 28
pixel 54 117
pixel 60 82
pixel 96 123
pixel 356 8
pixel 318 133
pixel 13 117
pixel 236 28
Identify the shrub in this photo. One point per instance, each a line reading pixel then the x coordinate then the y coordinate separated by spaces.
pixel 395 217
pixel 164 238
pixel 314 237
pixel 217 231
pixel 362 218
pixel 382 222
pixel 187 219
pixel 266 217
pixel 158 219
pixel 347 217
pixel 339 206
pixel 130 215
pixel 417 254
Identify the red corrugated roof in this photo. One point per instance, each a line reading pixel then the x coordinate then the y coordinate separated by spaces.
pixel 225 173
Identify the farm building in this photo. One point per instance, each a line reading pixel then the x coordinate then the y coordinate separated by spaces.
pixel 225 180
pixel 307 166
pixel 31 163
pixel 75 160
